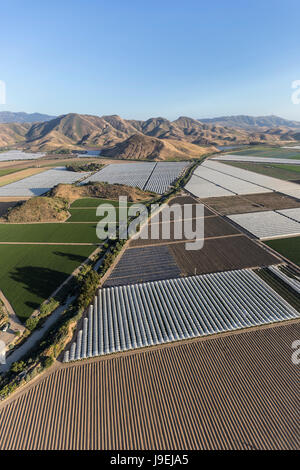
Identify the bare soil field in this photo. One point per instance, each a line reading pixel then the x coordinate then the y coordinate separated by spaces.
pixel 142 263
pixel 251 203
pixel 182 200
pixel 231 391
pixel 221 255
pixel 213 226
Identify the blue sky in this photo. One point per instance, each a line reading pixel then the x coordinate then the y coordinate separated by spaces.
pixel 141 59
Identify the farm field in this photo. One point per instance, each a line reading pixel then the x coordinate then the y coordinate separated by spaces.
pixel 211 226
pixel 19 155
pixel 191 201
pixel 141 315
pixel 288 247
pixel 280 286
pixel 144 264
pixel 202 188
pixel 149 176
pixel 173 389
pixel 291 214
pixel 221 255
pixel 251 203
pixel 267 224
pixel 30 273
pixel 37 184
pixel 83 215
pixel 149 263
pixel 92 202
pixel 8 171
pixel 49 233
pixel 19 175
pixel 85 210
pixel 270 152
pixel 281 171
pixel 238 180
pixel 212 172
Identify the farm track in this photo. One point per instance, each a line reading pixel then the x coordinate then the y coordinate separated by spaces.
pixel 232 391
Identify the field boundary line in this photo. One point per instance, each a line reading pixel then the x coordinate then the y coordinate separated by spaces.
pixel 185 241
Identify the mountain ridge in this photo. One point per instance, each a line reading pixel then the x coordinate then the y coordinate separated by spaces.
pixel 247 122
pixel 184 137
pixel 22 117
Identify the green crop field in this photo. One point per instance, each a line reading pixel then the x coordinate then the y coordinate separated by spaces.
pixel 288 247
pixel 273 152
pixel 281 171
pixel 30 273
pixel 92 202
pixel 49 233
pixel 8 171
pixel 83 215
pixel 84 210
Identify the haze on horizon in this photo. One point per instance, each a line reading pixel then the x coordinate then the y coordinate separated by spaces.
pixel 161 59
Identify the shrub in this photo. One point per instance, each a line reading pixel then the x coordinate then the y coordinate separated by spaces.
pixel 48 307
pixel 88 287
pixel 31 323
pixel 48 361
pixel 18 367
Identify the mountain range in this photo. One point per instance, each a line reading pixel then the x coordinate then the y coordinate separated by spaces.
pixel 8 116
pixel 250 122
pixel 155 138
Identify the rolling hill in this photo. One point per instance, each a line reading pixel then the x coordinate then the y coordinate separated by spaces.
pixel 144 147
pixel 156 138
pixel 12 134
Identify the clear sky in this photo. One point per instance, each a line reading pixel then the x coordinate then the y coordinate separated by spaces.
pixel 140 59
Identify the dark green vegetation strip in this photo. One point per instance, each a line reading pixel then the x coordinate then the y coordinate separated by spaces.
pixel 30 273
pixel 49 233
pixel 286 292
pixel 8 171
pixel 274 152
pixel 288 247
pixel 282 171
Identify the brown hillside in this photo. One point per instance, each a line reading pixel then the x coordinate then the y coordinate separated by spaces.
pixel 38 209
pixel 99 190
pixel 77 131
pixel 14 133
pixel 142 147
